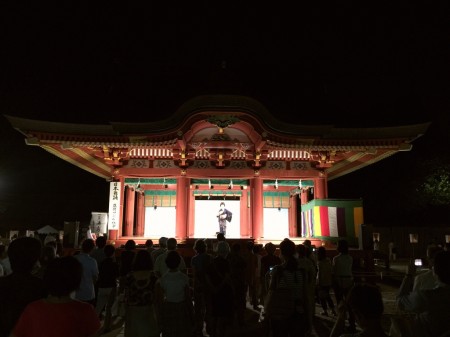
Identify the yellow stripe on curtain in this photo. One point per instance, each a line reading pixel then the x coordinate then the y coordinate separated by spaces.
pixel 316 221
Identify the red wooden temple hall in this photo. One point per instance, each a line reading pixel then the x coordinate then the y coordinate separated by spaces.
pixel 168 177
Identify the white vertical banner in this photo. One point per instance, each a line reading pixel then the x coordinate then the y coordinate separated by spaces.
pixel 114 205
pixel 99 222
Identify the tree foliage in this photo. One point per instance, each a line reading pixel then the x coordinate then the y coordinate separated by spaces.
pixel 435 186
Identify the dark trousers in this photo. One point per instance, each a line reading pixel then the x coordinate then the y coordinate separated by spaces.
pixel 340 294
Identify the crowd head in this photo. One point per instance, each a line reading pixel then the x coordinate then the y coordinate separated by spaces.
pixel 223 249
pixel 200 246
pixel 63 276
pixel 23 253
pixel 366 302
pixel 287 248
pixel 342 246
pixel 173 259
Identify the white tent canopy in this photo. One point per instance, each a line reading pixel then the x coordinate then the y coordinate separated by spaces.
pixel 47 230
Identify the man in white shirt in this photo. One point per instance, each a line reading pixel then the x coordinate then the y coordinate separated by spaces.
pixel 160 250
pixel 160 267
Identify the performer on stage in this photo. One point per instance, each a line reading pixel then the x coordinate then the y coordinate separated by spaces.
pixel 223 215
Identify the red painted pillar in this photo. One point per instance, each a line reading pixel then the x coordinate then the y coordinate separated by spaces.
pixel 304 196
pixel 181 215
pixel 113 235
pixel 129 211
pixel 191 214
pixel 320 188
pixel 293 217
pixel 245 229
pixel 140 214
pixel 257 200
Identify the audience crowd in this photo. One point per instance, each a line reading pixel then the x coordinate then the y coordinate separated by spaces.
pixel 161 290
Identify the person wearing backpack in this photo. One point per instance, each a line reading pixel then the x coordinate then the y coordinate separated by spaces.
pixel 286 306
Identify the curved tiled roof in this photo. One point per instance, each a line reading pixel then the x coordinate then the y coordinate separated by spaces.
pixel 337 150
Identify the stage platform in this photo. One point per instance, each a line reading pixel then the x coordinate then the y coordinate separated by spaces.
pixel 190 241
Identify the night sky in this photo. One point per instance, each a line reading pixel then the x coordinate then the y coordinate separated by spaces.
pixel 342 64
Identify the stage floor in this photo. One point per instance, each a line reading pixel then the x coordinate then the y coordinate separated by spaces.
pixel 190 241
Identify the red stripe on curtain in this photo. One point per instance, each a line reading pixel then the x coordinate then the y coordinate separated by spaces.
pixel 324 224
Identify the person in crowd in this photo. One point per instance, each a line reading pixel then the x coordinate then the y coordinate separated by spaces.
pixel 161 249
pixel 430 305
pixel 309 252
pixel 447 246
pixel 125 262
pixel 140 299
pixel 218 276
pixel 174 299
pixel 52 243
pixel 149 246
pixel 160 263
pixel 219 238
pixel 342 271
pixel 392 251
pixel 289 275
pixel 366 302
pixel 4 260
pixel 250 272
pixel 258 300
pixel 202 298
pixel 324 281
pixel 58 314
pixel 239 279
pixel 210 249
pixel 98 253
pixel 86 291
pixel 308 265
pixel 268 261
pixel 19 288
pixel 49 238
pixel 48 254
pixel 108 274
pixel 428 279
pixel 59 248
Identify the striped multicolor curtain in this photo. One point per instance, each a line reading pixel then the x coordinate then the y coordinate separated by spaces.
pixel 338 219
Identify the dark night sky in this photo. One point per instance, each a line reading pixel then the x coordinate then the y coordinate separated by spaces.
pixel 345 64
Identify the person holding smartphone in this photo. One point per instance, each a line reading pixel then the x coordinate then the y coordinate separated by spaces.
pixel 267 264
